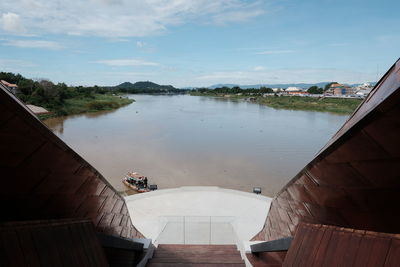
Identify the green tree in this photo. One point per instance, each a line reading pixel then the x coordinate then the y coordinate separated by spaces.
pixel 265 90
pixel 26 86
pixel 328 85
pixel 315 90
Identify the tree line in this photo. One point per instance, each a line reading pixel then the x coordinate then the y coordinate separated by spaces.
pixel 254 91
pixel 42 92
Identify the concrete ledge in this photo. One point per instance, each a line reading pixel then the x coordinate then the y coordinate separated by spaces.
pixel 248 209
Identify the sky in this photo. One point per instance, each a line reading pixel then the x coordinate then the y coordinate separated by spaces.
pixel 193 43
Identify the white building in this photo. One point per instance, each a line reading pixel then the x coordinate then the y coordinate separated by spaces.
pixel 293 89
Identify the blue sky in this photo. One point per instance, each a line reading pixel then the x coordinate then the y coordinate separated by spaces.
pixel 199 42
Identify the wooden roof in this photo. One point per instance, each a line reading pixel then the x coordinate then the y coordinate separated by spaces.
pixel 355 180
pixel 43 178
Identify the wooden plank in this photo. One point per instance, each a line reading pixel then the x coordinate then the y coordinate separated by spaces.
pixel 11 249
pixel 306 246
pixel 364 250
pixel 60 235
pixel 342 246
pixel 393 256
pixel 331 257
pixel 301 232
pixel 314 249
pixel 28 247
pixel 80 250
pixel 380 250
pixel 46 249
pixel 322 248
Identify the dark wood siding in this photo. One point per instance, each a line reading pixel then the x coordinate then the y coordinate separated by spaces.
pixel 42 178
pixel 50 243
pixel 322 245
pixel 355 180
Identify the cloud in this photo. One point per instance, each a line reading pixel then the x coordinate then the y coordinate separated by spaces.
pixel 33 44
pixel 127 62
pixel 275 52
pixel 237 16
pixel 258 68
pixel 11 22
pixel 140 44
pixel 15 63
pixel 120 18
pixel 338 44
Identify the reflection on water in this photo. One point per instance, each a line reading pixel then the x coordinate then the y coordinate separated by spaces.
pixel 185 140
pixel 57 124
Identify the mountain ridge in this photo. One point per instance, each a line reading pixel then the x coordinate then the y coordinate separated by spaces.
pixel 143 85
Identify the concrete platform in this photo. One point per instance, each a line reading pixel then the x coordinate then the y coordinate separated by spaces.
pixel 198 215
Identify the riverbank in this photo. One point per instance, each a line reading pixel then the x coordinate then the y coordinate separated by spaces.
pixel 237 145
pixel 321 104
pixel 94 103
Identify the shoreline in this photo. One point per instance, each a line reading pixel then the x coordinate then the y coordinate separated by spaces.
pixel 318 104
pixel 99 102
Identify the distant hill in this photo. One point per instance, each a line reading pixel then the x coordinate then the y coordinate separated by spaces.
pixel 145 85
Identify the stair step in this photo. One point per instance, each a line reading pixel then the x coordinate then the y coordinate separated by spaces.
pixel 159 254
pixel 194 259
pixel 168 248
pixel 163 264
pixel 202 256
pixel 196 255
pixel 175 246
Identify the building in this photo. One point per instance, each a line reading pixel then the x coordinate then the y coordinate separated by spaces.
pixel 38 110
pixel 13 88
pixel 363 90
pixel 295 91
pixel 338 89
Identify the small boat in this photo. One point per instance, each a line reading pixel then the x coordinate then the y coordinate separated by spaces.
pixel 133 181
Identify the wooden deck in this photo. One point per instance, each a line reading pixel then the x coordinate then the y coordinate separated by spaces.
pixel 196 255
pixel 322 245
pixel 50 243
pixel 317 245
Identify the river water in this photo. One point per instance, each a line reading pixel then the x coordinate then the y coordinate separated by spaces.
pixel 183 140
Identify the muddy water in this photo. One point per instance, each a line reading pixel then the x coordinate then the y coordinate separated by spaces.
pixel 188 140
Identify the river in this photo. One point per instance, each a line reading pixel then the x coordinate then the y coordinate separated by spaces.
pixel 182 140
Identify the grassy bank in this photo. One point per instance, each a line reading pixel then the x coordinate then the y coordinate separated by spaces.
pixel 322 104
pixel 95 102
pixel 333 105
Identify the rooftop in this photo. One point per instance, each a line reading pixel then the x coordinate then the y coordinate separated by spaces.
pixel 8 84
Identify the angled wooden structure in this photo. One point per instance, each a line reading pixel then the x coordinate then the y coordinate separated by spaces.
pixel 321 245
pixel 42 178
pixel 354 181
pixel 52 202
